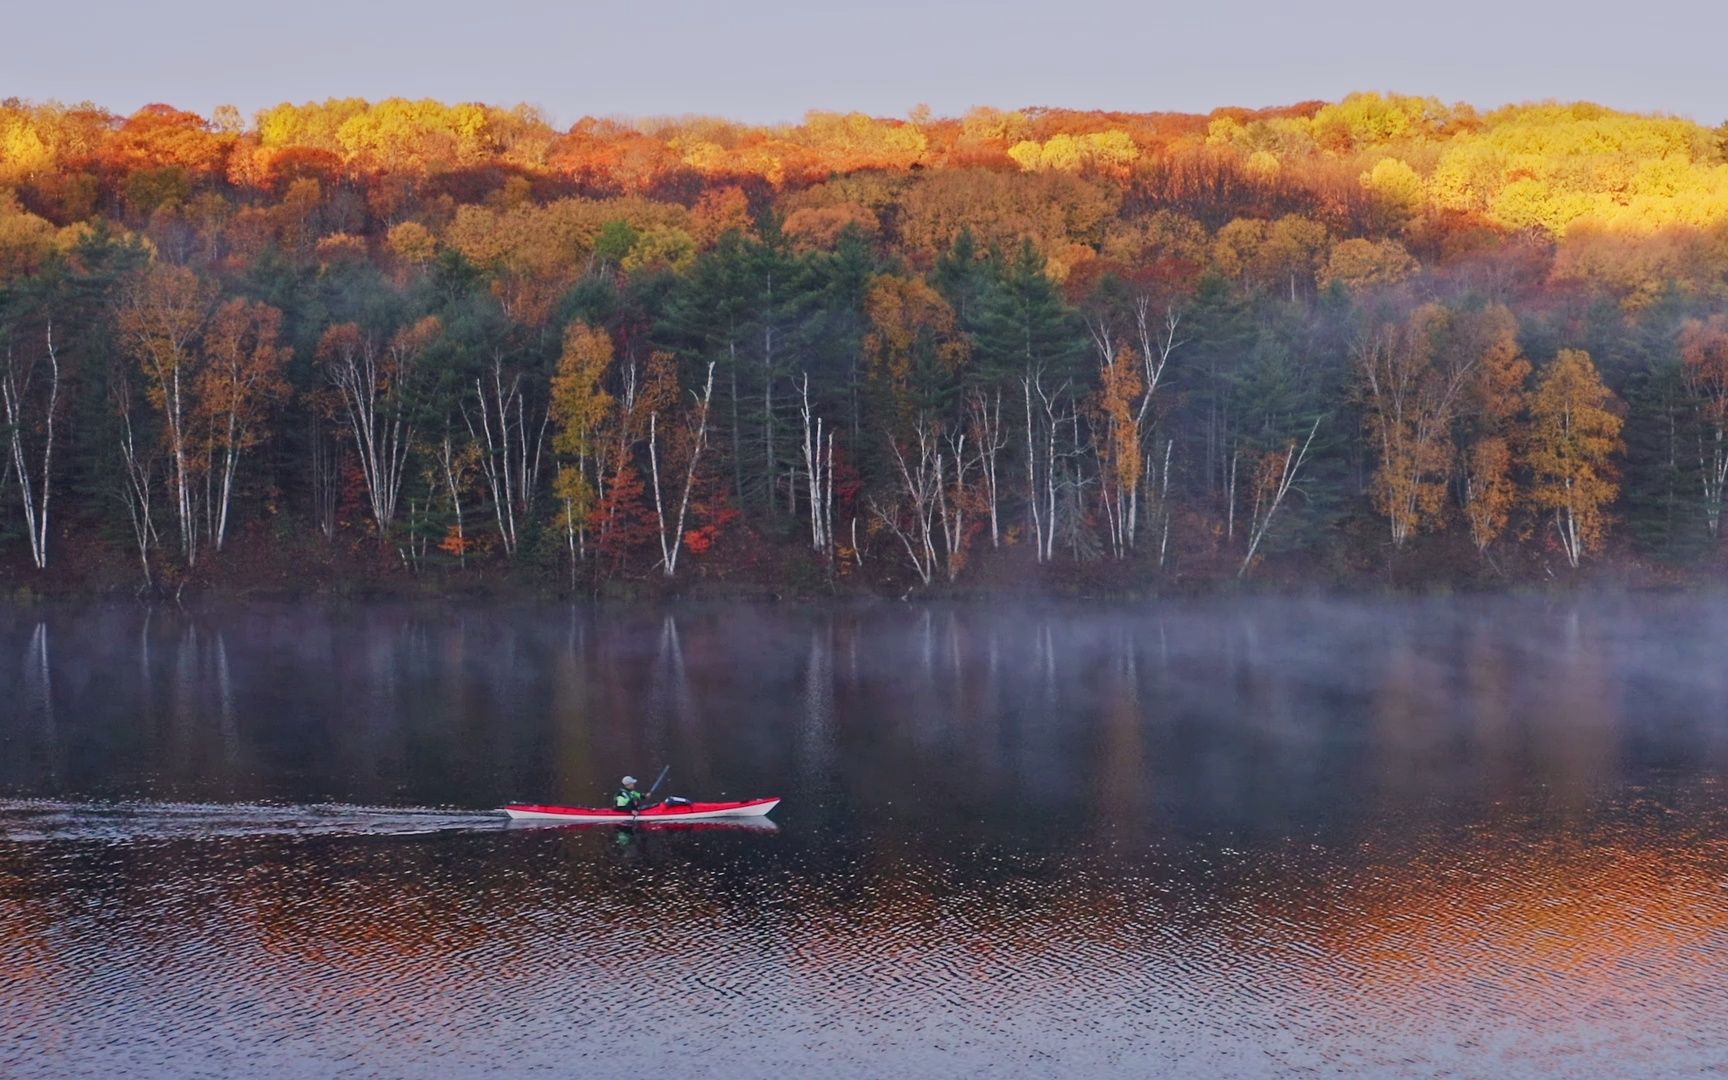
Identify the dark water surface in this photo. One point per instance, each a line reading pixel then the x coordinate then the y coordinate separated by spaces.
pixel 1474 837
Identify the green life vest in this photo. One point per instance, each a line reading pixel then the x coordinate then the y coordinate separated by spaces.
pixel 627 799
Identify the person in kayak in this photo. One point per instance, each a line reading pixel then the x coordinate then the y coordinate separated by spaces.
pixel 629 799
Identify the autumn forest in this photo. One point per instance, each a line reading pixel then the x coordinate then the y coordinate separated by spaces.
pixel 401 344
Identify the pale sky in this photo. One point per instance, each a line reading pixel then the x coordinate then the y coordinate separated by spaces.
pixel 768 60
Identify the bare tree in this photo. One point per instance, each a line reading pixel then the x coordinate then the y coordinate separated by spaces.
pixel 140 471
pixel 671 543
pixel 512 439
pixel 240 377
pixel 326 477
pixel 951 504
pixel 1269 493
pixel 454 466
pixel 1124 442
pixel 819 475
pixel 30 404
pixel 374 383
pixel 1046 472
pixel 910 517
pixel 984 414
pixel 925 507
pixel 1158 341
pixel 1159 513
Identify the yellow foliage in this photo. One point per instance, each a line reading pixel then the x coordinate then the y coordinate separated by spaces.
pixel 25 239
pixel 1162 234
pixel 1396 193
pixel 1236 246
pixel 1490 492
pixel 885 141
pixel 340 248
pixel 1573 438
pixel 911 327
pixel 1535 204
pixel 412 242
pixel 1050 208
pixel 701 155
pixel 985 124
pixel 1296 248
pixel 661 245
pixel 312 125
pixel 1224 131
pixel 1636 268
pixel 1263 165
pixel 402 134
pixel 1107 150
pixel 580 406
pixel 555 238
pixel 1358 264
pixel 1065 258
pixel 1410 391
pixel 23 151
pixel 1555 166
pixel 1373 120
pixel 1119 388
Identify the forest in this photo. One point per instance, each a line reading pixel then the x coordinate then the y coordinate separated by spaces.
pixel 349 346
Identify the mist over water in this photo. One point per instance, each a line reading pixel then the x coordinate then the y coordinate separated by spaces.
pixel 1484 836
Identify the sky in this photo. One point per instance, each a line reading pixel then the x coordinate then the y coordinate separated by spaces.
pixel 771 60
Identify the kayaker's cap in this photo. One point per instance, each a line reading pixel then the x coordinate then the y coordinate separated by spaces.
pixel 629 780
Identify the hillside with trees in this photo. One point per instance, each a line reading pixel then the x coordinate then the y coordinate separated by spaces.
pixel 359 345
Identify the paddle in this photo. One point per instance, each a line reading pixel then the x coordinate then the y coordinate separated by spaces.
pixel 648 799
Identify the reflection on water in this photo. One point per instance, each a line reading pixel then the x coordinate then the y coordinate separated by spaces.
pixel 1486 837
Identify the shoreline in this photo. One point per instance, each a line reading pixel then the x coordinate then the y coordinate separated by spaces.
pixel 1084 583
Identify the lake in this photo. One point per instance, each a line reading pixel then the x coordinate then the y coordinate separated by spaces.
pixel 1475 836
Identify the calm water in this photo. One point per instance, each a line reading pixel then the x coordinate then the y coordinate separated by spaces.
pixel 1479 837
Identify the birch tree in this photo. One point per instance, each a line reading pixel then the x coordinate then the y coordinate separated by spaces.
pixel 580 407
pixel 1572 442
pixel 1276 476
pixel 375 384
pixel 240 380
pixel 910 515
pixel 1116 432
pixel 1128 384
pixel 695 440
pixel 138 463
pixel 511 434
pixel 1495 400
pixel 1704 363
pixel 984 421
pixel 162 316
pixel 1411 400
pixel 927 513
pixel 818 474
pixel 30 392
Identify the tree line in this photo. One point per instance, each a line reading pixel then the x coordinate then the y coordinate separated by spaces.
pixel 1181 345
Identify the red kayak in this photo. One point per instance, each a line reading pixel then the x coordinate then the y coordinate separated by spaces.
pixel 694 811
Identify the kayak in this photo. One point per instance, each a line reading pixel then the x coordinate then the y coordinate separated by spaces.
pixel 594 815
pixel 660 825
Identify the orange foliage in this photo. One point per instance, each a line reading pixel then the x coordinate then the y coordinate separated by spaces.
pixel 1574 436
pixel 820 228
